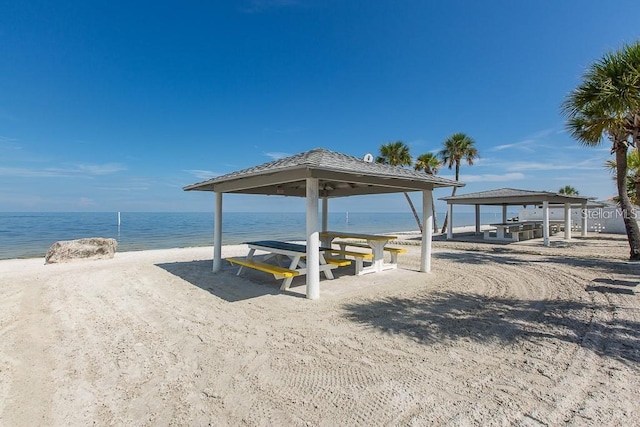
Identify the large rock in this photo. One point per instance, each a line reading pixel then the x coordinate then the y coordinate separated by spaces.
pixel 91 248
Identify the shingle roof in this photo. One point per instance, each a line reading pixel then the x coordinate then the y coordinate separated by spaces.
pixel 512 196
pixel 322 162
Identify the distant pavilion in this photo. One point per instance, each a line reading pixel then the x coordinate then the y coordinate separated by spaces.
pixel 513 197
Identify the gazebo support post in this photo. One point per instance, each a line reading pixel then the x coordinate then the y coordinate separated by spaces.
pixel 325 216
pixel 567 221
pixel 583 216
pixel 427 231
pixel 545 223
pixel 217 233
pixel 450 227
pixel 313 240
pixel 477 219
pixel 504 214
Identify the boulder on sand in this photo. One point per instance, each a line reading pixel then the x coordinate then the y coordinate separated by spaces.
pixel 90 248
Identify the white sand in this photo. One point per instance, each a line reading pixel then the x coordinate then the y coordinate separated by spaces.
pixel 496 334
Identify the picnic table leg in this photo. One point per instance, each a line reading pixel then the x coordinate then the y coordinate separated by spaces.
pixel 394 258
pixel 359 266
pixel 378 255
pixel 293 266
pixel 249 256
pixel 328 274
pixel 343 247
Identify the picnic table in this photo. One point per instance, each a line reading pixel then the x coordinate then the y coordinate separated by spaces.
pixel 518 231
pixel 377 243
pixel 294 255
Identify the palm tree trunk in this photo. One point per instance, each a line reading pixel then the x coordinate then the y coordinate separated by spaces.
pixel 453 193
pixel 628 214
pixel 413 209
pixel 446 216
pixel 433 211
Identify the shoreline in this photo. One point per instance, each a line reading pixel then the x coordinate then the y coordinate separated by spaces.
pixel 401 234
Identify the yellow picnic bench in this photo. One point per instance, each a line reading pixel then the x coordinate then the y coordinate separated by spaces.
pixel 277 271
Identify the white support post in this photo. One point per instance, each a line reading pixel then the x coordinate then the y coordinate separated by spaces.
pixel 477 219
pixel 567 221
pixel 504 214
pixel 583 216
pixel 313 240
pixel 545 223
pixel 450 216
pixel 217 234
pixel 427 231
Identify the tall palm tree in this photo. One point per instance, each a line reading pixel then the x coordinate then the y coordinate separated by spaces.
pixel 430 164
pixel 457 147
pixel 568 190
pixel 633 171
pixel 397 154
pixel 607 104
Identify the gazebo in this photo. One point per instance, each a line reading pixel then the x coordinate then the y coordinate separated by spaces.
pixel 513 197
pixel 317 175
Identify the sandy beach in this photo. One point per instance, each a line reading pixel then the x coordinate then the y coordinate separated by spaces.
pixel 496 335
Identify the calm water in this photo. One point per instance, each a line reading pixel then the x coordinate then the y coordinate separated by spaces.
pixel 25 235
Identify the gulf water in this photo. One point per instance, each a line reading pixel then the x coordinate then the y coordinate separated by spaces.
pixel 29 235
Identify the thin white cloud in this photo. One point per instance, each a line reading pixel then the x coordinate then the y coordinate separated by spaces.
pixel 9 143
pixel 125 189
pixel 522 145
pixel 514 176
pixel 33 173
pixel 76 171
pixel 530 143
pixel 544 133
pixel 588 164
pixel 106 169
pixel 274 155
pixel 202 174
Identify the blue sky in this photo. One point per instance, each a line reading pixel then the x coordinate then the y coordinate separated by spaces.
pixel 116 106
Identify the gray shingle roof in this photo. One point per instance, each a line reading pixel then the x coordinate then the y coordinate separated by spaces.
pixel 512 196
pixel 320 159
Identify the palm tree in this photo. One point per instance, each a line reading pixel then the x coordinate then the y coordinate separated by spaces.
pixel 397 154
pixel 430 164
pixel 607 103
pixel 633 171
pixel 568 190
pixel 457 147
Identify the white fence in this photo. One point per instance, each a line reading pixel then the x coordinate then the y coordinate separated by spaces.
pixel 607 219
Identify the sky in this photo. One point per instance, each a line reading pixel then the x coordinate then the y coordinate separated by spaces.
pixel 116 106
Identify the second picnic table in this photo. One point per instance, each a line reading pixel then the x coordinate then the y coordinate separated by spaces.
pixel 376 242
